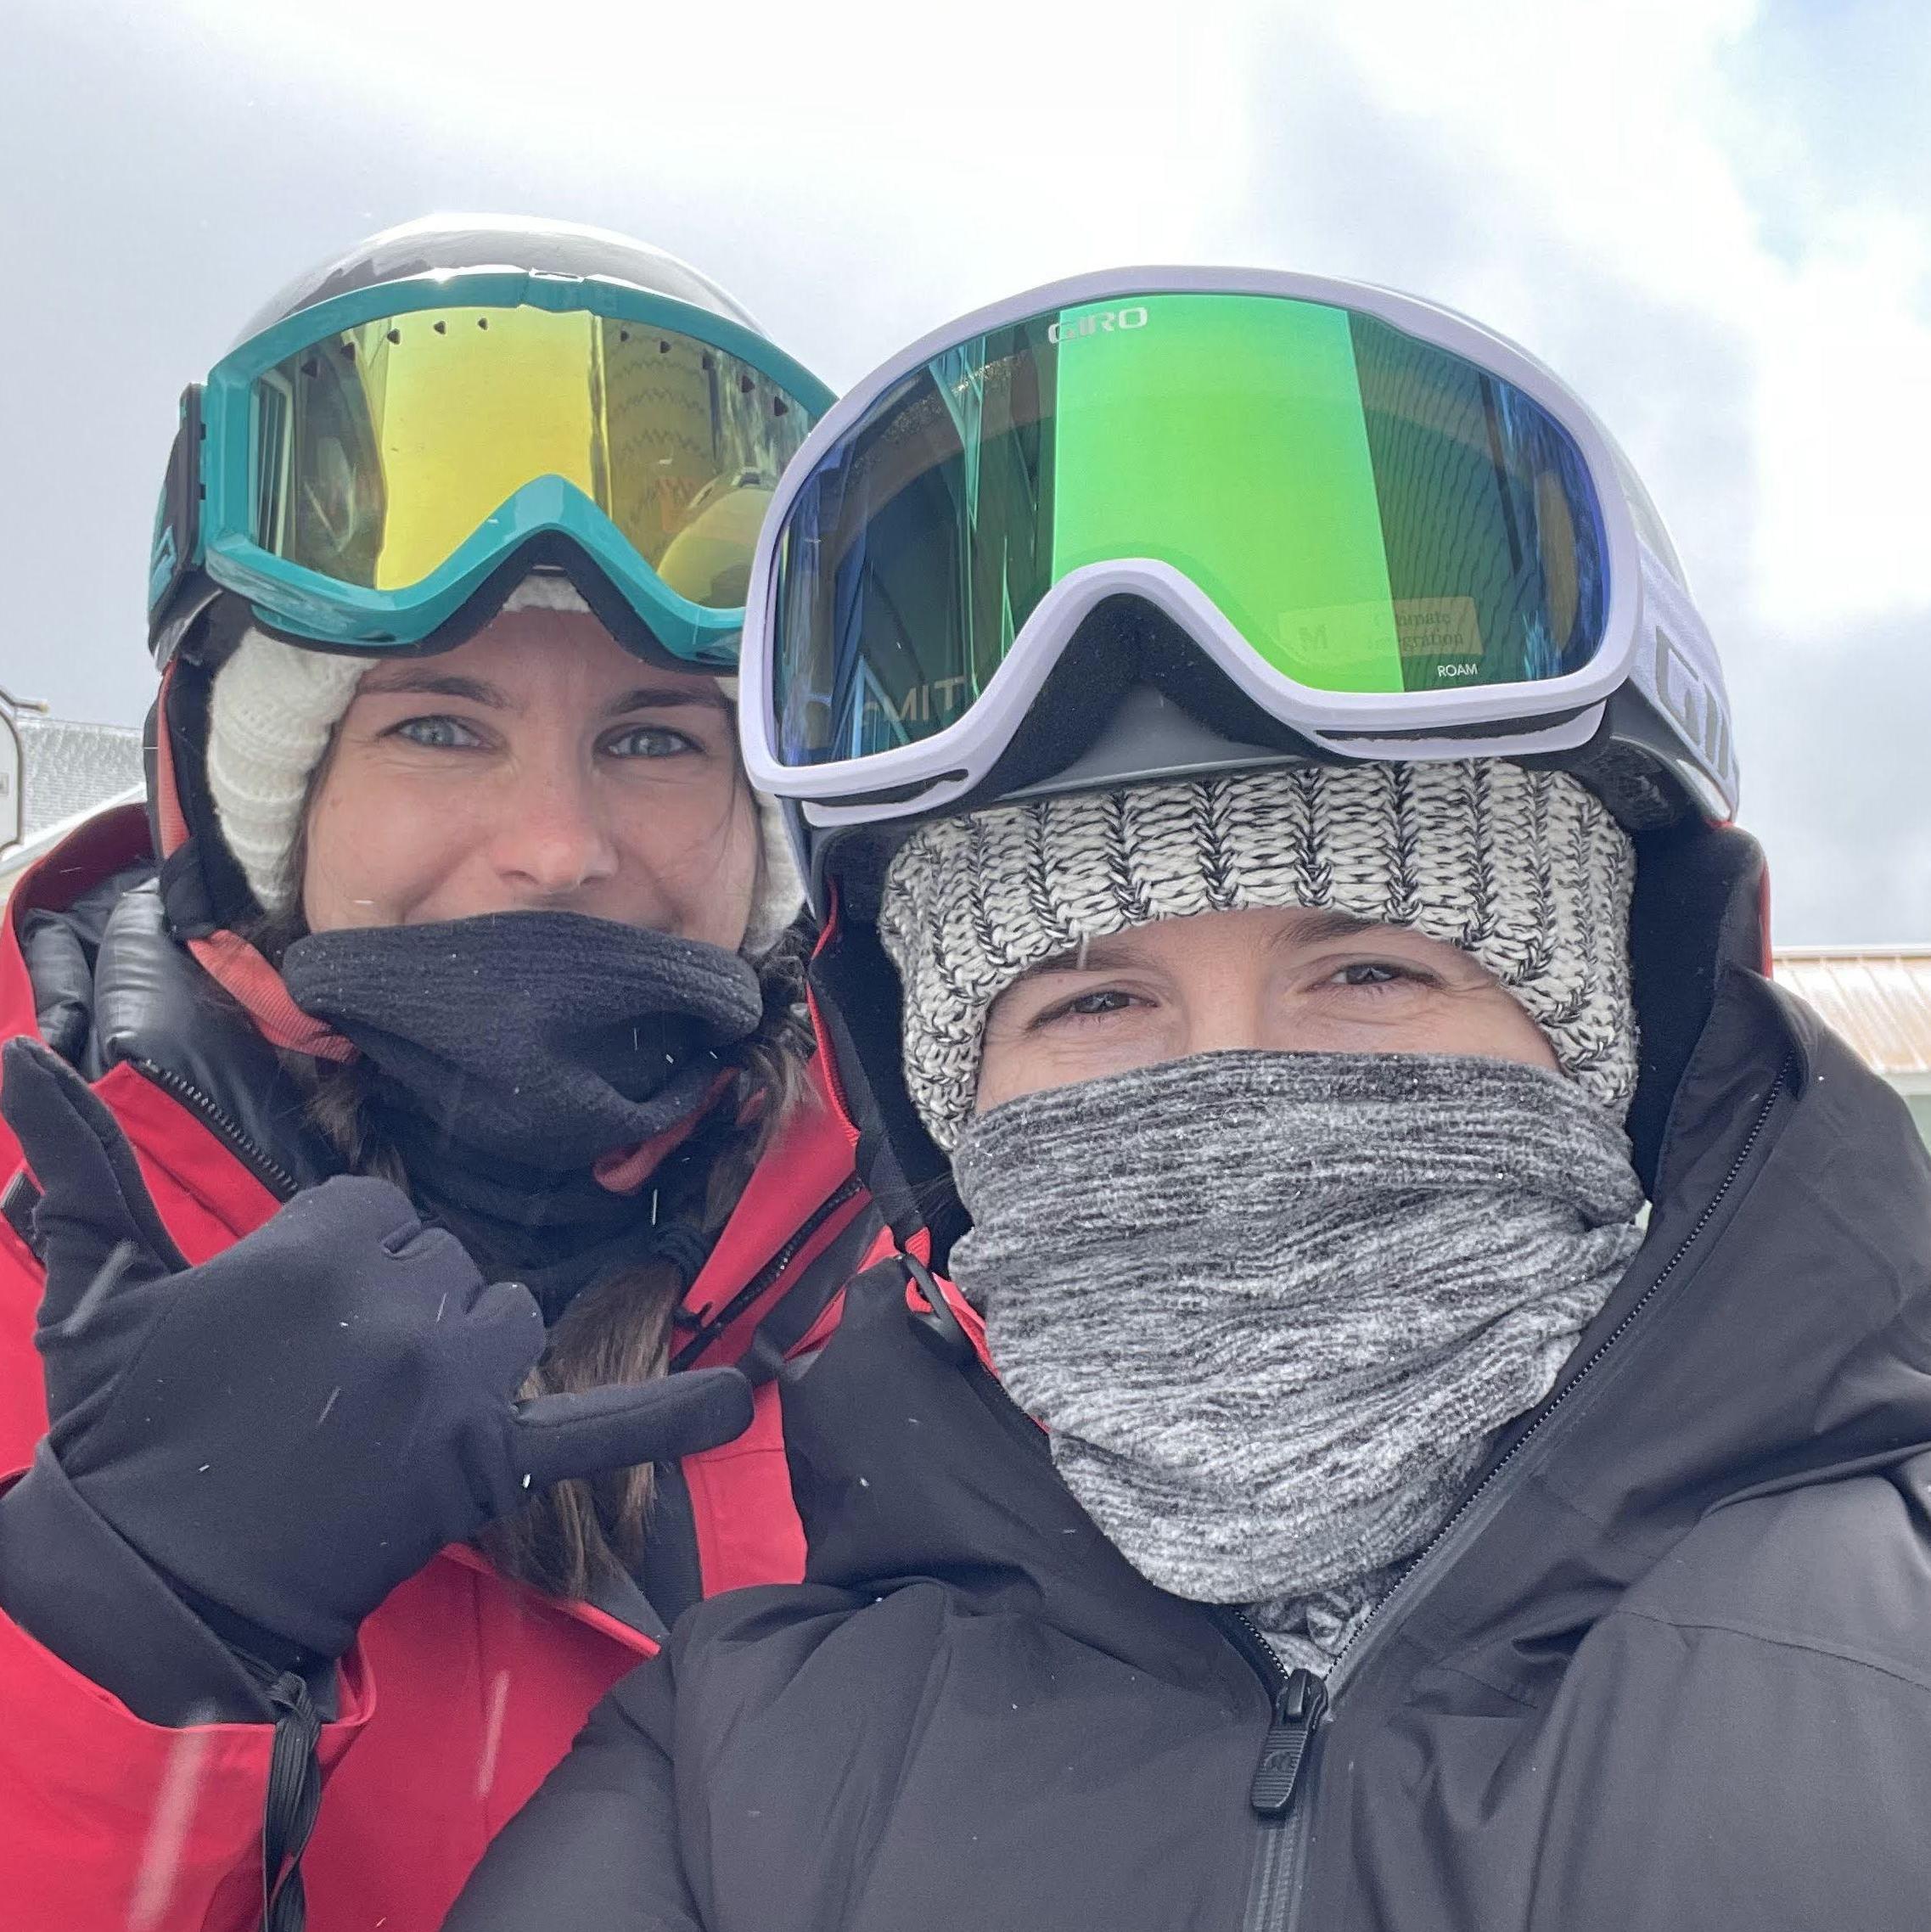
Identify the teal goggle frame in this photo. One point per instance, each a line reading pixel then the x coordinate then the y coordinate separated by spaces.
pixel 206 522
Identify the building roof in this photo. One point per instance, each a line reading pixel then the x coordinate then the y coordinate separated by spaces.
pixel 1878 998
pixel 68 770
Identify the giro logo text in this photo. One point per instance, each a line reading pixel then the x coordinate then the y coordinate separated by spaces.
pixel 1097 322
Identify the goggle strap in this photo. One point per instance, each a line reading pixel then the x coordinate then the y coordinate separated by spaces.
pixel 178 540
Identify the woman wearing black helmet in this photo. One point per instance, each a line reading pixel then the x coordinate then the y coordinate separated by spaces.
pixel 453 951
pixel 1434 1432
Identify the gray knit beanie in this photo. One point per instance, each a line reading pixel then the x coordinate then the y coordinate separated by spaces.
pixel 1525 871
pixel 273 709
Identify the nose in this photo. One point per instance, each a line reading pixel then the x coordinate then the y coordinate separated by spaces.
pixel 552 840
pixel 1226 1014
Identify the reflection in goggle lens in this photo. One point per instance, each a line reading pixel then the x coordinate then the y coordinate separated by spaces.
pixel 378 451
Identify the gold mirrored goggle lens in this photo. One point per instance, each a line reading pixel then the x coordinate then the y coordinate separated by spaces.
pixel 378 451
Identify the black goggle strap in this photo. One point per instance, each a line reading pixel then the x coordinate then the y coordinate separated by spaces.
pixel 177 527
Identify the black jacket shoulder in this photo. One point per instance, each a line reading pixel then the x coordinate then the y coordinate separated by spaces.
pixel 112 985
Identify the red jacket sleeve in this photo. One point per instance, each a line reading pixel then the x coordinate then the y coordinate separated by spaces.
pixel 112 1821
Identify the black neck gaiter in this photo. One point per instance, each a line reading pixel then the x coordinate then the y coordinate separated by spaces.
pixel 508 1053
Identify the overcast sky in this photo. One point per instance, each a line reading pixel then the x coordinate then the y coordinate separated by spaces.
pixel 1711 215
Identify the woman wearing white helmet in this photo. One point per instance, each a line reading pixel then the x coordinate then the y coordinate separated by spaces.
pixel 1433 1429
pixel 453 951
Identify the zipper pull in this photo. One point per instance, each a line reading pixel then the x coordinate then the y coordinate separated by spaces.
pixel 1297 1705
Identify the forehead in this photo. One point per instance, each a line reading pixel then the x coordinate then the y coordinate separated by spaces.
pixel 522 655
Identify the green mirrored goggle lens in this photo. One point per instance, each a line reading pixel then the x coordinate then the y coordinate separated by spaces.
pixel 378 450
pixel 1371 512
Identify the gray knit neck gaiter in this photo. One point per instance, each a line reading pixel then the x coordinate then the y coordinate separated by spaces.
pixel 1272 1308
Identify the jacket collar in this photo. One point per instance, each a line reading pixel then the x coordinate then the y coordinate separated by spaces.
pixel 150 1003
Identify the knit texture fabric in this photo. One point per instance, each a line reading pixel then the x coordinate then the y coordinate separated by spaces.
pixel 274 708
pixel 548 1038
pixel 1525 871
pixel 1272 1308
pixel 269 721
pixel 508 1055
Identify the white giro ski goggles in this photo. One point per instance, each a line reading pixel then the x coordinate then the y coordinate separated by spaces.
pixel 1393 531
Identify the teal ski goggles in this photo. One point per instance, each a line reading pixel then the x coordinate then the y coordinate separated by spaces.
pixel 358 472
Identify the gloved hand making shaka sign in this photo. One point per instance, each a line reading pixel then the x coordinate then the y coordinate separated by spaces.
pixel 288 1431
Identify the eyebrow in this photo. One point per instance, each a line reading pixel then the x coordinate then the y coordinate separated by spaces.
pixel 1327 924
pixel 398 680
pixel 386 681
pixel 652 697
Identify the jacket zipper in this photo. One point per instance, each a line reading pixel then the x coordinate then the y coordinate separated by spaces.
pixel 1298 1711
pixel 1297 1700
pixel 274 1176
pixel 767 1277
pixel 829 1061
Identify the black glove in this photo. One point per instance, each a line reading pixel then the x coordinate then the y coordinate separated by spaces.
pixel 289 1431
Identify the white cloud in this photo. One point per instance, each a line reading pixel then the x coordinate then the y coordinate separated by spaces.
pixel 1843 410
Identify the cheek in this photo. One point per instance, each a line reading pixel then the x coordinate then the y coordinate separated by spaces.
pixel 1509 1034
pixel 1014 1061
pixel 373 858
pixel 694 863
pixel 1001 1068
pixel 1487 1024
pixel 1482 1022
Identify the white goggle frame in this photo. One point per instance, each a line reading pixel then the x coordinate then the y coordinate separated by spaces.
pixel 1652 636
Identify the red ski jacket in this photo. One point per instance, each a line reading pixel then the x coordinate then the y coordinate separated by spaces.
pixel 463 1689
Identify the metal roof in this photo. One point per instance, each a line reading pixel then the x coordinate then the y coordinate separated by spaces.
pixel 68 770
pixel 1878 998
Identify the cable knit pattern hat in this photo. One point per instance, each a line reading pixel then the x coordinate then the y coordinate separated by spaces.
pixel 274 708
pixel 1525 871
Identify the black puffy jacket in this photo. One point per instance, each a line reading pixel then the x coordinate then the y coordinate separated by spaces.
pixel 1668 1670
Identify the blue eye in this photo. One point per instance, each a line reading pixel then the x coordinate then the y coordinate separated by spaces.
pixel 437 733
pixel 648 741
